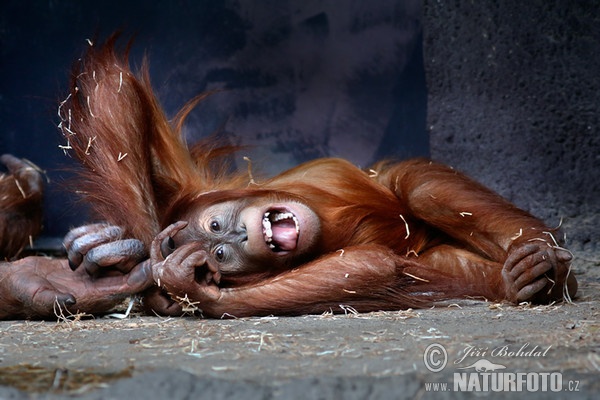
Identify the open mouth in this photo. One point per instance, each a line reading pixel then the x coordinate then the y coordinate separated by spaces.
pixel 280 230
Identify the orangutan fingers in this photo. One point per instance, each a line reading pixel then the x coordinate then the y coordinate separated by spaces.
pixel 531 274
pixel 79 241
pixel 47 302
pixel 533 265
pixel 122 255
pixel 28 174
pixel 157 248
pixel 528 291
pixel 517 254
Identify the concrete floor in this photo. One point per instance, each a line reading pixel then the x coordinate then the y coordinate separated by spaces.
pixel 376 355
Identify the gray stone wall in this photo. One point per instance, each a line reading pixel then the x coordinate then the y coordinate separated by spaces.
pixel 514 95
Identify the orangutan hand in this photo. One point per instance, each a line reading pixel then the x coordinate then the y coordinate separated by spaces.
pixel 538 272
pixel 38 287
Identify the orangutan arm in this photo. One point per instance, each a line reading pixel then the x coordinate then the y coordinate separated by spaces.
pixel 534 266
pixel 361 278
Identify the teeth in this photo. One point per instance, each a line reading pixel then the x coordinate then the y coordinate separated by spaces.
pixel 267 225
pixel 281 216
pixel 266 222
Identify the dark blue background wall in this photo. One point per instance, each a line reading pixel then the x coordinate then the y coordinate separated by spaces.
pixel 304 79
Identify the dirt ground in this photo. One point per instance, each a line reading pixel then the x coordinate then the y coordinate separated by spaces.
pixel 351 356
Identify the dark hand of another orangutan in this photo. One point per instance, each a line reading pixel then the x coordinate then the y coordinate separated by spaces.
pixel 20 205
pixel 39 287
pixel 24 172
pixel 107 270
pixel 538 272
pixel 98 248
pixel 188 274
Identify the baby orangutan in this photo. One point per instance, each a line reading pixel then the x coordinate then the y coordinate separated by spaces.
pixel 320 237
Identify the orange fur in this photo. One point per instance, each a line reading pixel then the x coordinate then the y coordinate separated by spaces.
pixel 412 232
pixel 135 160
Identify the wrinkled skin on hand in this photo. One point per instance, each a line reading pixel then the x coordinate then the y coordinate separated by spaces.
pixel 538 272
pixel 188 272
pixel 38 287
pixel 102 271
pixel 99 248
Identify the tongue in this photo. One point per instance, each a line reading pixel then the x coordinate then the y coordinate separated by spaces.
pixel 284 234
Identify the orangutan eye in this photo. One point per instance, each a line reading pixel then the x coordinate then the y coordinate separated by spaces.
pixel 220 253
pixel 215 226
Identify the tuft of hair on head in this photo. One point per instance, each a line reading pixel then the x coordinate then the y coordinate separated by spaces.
pixel 134 161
